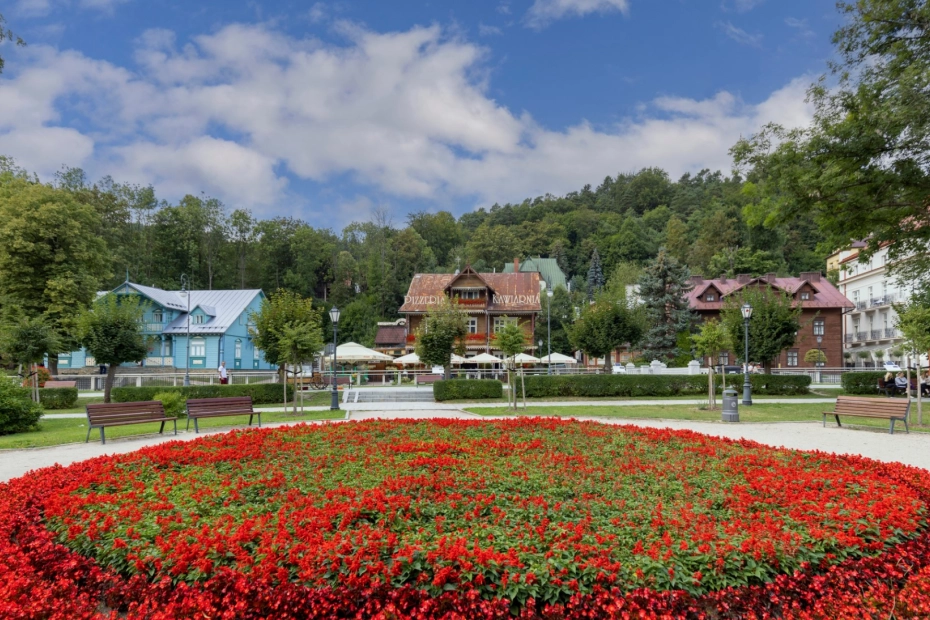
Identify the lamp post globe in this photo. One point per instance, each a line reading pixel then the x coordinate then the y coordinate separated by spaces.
pixel 334 317
pixel 549 330
pixel 746 309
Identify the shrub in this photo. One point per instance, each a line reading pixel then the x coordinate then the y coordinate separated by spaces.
pixel 43 376
pixel 861 382
pixel 58 398
pixel 629 386
pixel 467 389
pixel 18 413
pixel 174 403
pixel 261 393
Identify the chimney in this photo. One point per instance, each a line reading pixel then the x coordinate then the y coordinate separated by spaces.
pixel 810 276
pixel 743 278
pixel 695 280
pixel 770 277
pixel 723 278
pixel 516 265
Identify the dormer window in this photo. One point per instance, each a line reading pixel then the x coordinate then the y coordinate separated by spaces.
pixel 198 319
pixel 805 296
pixel 710 297
pixel 157 317
pixel 469 295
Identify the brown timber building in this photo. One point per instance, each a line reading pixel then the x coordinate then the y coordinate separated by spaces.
pixel 821 315
pixel 489 299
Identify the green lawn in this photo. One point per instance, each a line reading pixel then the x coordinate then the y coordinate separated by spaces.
pixel 54 432
pixel 759 412
pixel 551 399
pixel 311 399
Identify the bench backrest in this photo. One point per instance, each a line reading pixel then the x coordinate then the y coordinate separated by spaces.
pixel 890 406
pixel 116 413
pixel 60 384
pixel 428 378
pixel 232 404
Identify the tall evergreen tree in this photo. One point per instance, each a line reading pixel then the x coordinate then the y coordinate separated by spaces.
pixel 663 288
pixel 595 275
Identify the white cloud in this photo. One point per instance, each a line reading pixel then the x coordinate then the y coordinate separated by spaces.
pixel 545 11
pixel 32 8
pixel 801 25
pixel 100 5
pixel 489 31
pixel 739 35
pixel 41 8
pixel 406 114
pixel 317 12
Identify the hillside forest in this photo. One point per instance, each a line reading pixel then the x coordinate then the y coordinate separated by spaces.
pixel 366 267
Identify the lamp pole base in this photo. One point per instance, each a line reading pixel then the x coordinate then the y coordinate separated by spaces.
pixel 335 404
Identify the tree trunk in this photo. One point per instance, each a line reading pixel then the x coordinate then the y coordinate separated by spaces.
pixel 295 391
pixel 711 394
pixel 447 371
pixel 282 371
pixel 523 384
pixel 108 382
pixel 607 362
pixel 35 383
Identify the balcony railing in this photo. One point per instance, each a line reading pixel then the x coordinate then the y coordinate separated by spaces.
pixel 887 300
pixel 862 305
pixel 153 328
pixel 862 335
pixel 877 334
pixel 892 333
pixel 473 302
pixel 849 338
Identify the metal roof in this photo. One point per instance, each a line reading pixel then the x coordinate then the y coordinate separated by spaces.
pixel 548 269
pixel 223 307
pixel 513 292
pixel 824 294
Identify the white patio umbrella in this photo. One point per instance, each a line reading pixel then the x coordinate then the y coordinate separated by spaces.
pixel 524 358
pixel 410 358
pixel 557 358
pixel 458 359
pixel 485 358
pixel 354 352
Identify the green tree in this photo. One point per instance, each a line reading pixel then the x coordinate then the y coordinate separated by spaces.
pixel 816 356
pixel 7 35
pixel 676 240
pixel 914 323
pixel 733 261
pixel 444 326
pixel 242 234
pixel 110 331
pixel 18 412
pixel 712 340
pixel 284 308
pixel 359 322
pixel 26 341
pixel 299 343
pixel 772 328
pixel 511 340
pixel 441 233
pixel 603 327
pixel 51 261
pixel 663 289
pixel 861 167
pixel 595 275
pixel 493 247
pixel 561 314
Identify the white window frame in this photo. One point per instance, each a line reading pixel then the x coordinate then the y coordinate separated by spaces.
pixel 500 321
pixel 469 295
pixel 158 317
pixel 792 357
pixel 710 297
pixel 805 295
pixel 197 319
pixel 237 349
pixel 818 327
pixel 724 358
pixel 198 347
pixel 473 325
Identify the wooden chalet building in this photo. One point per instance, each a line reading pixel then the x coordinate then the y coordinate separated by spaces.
pixel 490 299
pixel 821 315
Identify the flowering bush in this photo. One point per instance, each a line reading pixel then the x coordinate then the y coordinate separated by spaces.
pixel 532 517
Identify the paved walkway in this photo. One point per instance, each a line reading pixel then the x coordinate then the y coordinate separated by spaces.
pixel 913 449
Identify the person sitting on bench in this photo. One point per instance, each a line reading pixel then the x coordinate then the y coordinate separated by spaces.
pixel 900 381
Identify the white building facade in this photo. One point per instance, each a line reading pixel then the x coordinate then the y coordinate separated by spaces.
pixel 870 333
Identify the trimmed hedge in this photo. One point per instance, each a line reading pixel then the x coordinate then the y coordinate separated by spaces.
pixel 862 382
pixel 467 389
pixel 631 386
pixel 261 393
pixel 58 398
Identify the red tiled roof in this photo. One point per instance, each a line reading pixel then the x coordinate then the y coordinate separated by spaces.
pixel 389 335
pixel 513 292
pixel 824 294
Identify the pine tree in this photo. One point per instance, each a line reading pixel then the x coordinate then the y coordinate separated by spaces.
pixel 595 275
pixel 663 288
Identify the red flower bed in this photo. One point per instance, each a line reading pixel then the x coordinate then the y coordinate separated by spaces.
pixel 532 517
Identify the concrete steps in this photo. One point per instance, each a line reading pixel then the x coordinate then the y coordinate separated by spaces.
pixel 422 395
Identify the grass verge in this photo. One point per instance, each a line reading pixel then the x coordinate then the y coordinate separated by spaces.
pixel 56 432
pixel 759 412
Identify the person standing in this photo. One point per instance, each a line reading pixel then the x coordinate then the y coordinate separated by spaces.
pixel 224 376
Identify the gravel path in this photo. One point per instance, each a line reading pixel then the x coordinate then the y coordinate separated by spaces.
pixel 913 449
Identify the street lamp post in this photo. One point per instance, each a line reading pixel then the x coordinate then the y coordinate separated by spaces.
pixel 334 317
pixel 549 330
pixel 187 358
pixel 747 386
pixel 819 363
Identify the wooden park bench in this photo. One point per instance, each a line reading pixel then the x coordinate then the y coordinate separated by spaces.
pixel 418 379
pixel 218 407
pixel 891 410
pixel 102 415
pixel 60 384
pixel 888 388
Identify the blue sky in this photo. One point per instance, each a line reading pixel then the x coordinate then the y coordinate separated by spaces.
pixel 327 110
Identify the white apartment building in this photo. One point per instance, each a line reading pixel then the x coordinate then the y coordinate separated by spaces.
pixel 871 325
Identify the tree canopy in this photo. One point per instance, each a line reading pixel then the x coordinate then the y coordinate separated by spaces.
pixel 772 328
pixel 111 333
pixel 442 329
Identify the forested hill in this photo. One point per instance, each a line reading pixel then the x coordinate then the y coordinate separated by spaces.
pixel 366 267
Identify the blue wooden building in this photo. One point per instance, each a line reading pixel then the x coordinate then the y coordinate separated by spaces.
pixel 219 329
